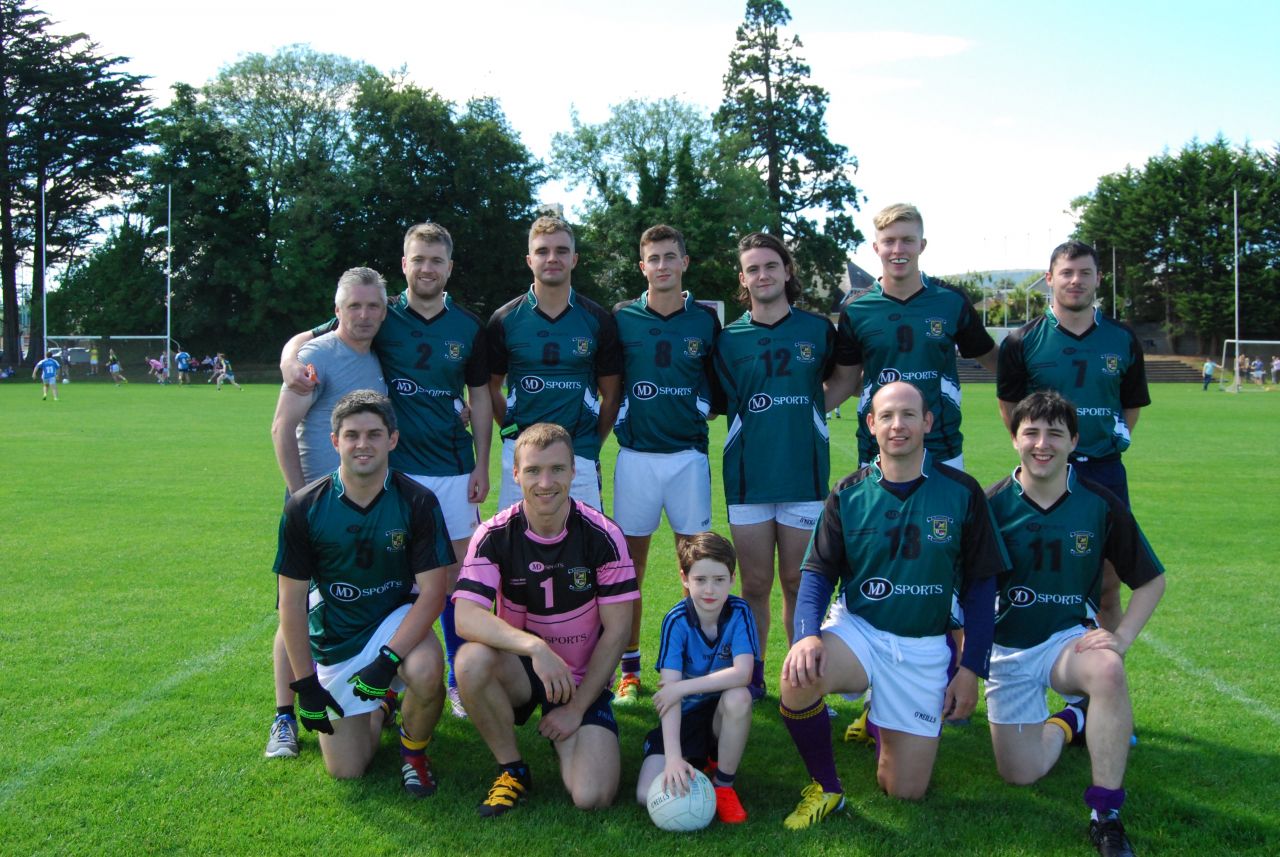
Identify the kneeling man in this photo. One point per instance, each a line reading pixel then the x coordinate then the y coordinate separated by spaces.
pixel 1059 529
pixel 909 541
pixel 360 538
pixel 559 575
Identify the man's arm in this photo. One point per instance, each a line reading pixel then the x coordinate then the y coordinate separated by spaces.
pixel 293 625
pixel 496 399
pixel 417 622
pixel 482 435
pixel 843 383
pixel 294 373
pixel 1131 418
pixel 990 360
pixel 610 400
pixel 1142 603
pixel 290 411
pixel 1006 412
pixel 615 617
pixel 479 625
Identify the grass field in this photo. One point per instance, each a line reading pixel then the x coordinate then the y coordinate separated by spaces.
pixel 136 618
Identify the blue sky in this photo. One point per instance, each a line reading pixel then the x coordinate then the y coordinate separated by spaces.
pixel 990 116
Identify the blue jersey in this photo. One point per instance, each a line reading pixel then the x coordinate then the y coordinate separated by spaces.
pixel 686 648
pixel 183 360
pixel 48 368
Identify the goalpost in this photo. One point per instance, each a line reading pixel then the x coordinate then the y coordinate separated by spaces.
pixel 78 349
pixel 1237 372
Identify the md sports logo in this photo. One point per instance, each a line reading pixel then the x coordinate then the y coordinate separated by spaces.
pixel 404 386
pixel 888 376
pixel 759 402
pixel 876 589
pixel 532 384
pixel 1022 596
pixel 644 390
pixel 344 592
pixel 880 588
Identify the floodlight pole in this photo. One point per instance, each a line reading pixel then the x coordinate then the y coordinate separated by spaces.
pixel 1235 219
pixel 168 288
pixel 44 275
pixel 1113 282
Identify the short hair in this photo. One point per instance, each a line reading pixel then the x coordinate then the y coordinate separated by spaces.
pixel 549 225
pixel 541 436
pixel 353 277
pixel 49 354
pixel 1048 405
pixel 430 233
pixel 707 545
pixel 662 232
pixel 765 241
pixel 896 213
pixel 1072 249
pixel 363 402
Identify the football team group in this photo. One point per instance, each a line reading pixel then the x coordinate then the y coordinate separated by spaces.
pixel 905 583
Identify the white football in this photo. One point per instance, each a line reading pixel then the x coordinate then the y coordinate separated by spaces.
pixel 690 811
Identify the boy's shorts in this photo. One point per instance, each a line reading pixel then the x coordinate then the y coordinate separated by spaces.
pixel 1019 678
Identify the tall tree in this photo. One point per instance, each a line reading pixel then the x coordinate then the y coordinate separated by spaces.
pixel 778 118
pixel 72 122
pixel 659 162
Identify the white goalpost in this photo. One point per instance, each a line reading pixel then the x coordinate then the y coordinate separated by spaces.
pixel 1246 365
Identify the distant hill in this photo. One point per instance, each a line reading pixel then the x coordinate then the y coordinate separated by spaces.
pixel 987 278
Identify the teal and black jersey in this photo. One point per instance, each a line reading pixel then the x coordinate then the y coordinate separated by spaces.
pixel 777 447
pixel 553 365
pixel 1057 557
pixel 902 555
pixel 361 561
pixel 913 340
pixel 1102 372
pixel 666 374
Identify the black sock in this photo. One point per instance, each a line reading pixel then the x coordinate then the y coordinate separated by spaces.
pixel 517 769
pixel 723 779
pixel 286 710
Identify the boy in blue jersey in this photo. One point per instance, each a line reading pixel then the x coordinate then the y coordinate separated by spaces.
pixel 709 680
pixel 667 338
pixel 1095 362
pixel 559 356
pixel 47 371
pixel 908 542
pixel 352 545
pixel 433 351
pixel 772 363
pixel 1059 527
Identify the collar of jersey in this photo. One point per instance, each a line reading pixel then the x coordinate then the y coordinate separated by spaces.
pixel 1071 479
pixel 643 300
pixel 532 299
pixel 924 287
pixel 341 490
pixel 878 475
pixel 547 540
pixel 1053 318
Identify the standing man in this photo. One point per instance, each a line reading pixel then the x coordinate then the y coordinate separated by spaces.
pixel 900 537
pixel 183 359
pixel 771 363
pixel 544 599
pixel 1058 528
pixel 433 351
pixel 559 354
pixel 1094 362
pixel 908 329
pixel 223 371
pixel 301 427
pixel 353 544
pixel 667 338
pixel 47 371
pixel 1207 370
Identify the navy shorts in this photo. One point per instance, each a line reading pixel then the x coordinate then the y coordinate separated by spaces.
pixel 697 736
pixel 600 712
pixel 1107 472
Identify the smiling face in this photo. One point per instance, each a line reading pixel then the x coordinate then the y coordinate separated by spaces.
pixel 361 308
pixel 426 267
pixel 899 245
pixel 708 582
pixel 1043 448
pixel 899 420
pixel 764 275
pixel 1074 283
pixel 363 444
pixel 544 477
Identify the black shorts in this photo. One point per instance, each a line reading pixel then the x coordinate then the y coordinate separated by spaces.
pixel 600 712
pixel 697 737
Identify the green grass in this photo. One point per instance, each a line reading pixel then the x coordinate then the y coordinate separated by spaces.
pixel 136 619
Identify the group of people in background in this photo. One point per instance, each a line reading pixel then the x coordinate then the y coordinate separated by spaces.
pixel 906 580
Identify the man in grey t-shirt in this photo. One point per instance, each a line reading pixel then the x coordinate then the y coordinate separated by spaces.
pixel 300 432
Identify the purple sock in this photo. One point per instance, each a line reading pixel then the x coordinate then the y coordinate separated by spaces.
pixel 1103 801
pixel 631 661
pixel 810 730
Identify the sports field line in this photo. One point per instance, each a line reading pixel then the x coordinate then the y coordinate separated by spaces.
pixel 138 704
pixel 1171 653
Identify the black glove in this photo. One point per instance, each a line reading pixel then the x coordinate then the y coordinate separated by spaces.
pixel 313 702
pixel 373 680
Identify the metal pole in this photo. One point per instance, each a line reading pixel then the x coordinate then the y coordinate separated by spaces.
pixel 1113 282
pixel 168 289
pixel 1235 218
pixel 44 275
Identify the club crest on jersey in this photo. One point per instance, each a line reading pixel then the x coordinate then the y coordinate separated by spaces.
pixel 452 350
pixel 1111 364
pixel 805 352
pixel 1081 543
pixel 579 579
pixel 692 346
pixel 581 345
pixel 940 529
pixel 398 539
pixel 934 328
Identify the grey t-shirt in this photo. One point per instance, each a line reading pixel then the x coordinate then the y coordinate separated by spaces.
pixel 339 370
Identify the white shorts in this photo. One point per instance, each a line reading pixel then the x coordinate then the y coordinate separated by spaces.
pixel 645 483
pixel 800 516
pixel 460 516
pixel 334 677
pixel 585 487
pixel 909 674
pixel 1019 678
